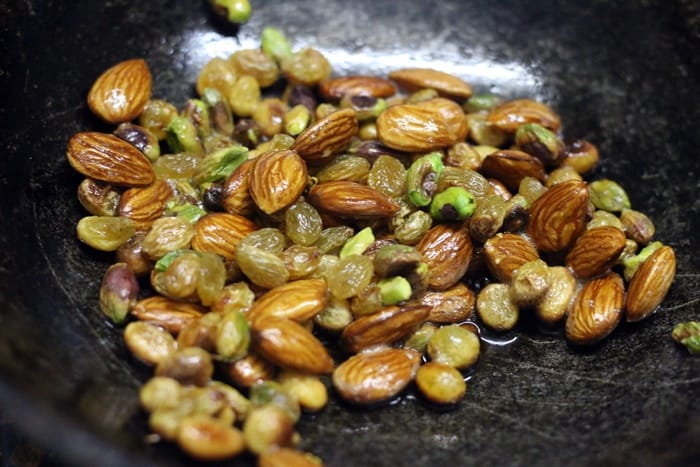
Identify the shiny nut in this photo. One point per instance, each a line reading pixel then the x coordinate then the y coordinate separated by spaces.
pixel 383 327
pixel 327 136
pixel 276 180
pixel 453 305
pixel 511 166
pixel 352 200
pixel 596 251
pixel 509 115
pixel 596 311
pixel 337 88
pixel 120 93
pixel 170 314
pixel 220 233
pixel 506 252
pixel 650 284
pixel 414 79
pixel 447 250
pixel 143 205
pixel 298 300
pixel 235 195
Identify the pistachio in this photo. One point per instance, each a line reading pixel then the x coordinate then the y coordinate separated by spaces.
pixel 274 43
pixel 452 204
pixel 608 195
pixel 481 102
pixel 688 335
pixel 358 243
pixel 98 198
pixel 218 165
pixel 141 138
pixel 422 177
pixel 118 292
pixel 632 262
pixel 637 226
pixel 582 155
pixel 394 290
pixel 540 142
pixel 272 392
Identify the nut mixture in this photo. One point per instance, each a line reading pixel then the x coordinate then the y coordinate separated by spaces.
pixel 356 232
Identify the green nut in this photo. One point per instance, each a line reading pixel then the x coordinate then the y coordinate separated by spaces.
pixel 418 341
pixel 232 336
pixel 540 142
pixel 422 178
pixel 452 204
pixel 358 243
pixel 118 292
pixel 297 119
pixel 394 290
pixel 632 263
pixel 608 195
pixel 234 11
pixel 275 44
pixel 365 107
pixel 479 102
pixel 188 212
pixel 220 115
pixel 181 136
pixel 141 138
pixel 413 227
pixel 688 335
pixel 165 260
pixel 198 112
pixel 218 165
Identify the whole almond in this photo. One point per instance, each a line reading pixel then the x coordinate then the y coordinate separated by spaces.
pixel 337 88
pixel 235 196
pixel 172 315
pixel 510 166
pixel 110 159
pixel 250 370
pixel 120 93
pixel 327 136
pixel 650 284
pixel 277 180
pixel 453 305
pixel 298 300
pixel 596 310
pixel 352 200
pixel 506 252
pixel 447 250
pixel 383 327
pixel 596 251
pixel 290 345
pixel 143 205
pixel 509 115
pixel 375 375
pixel 426 126
pixel 220 233
pixel 414 79
pixel 558 216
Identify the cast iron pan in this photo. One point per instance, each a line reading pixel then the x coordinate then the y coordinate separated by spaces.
pixel 622 75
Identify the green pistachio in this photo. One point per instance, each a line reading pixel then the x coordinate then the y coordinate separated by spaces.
pixel 608 195
pixel 188 212
pixel 118 292
pixel 358 243
pixel 688 335
pixel 235 11
pixel 422 178
pixel 198 112
pixel 452 204
pixel 220 115
pixel 632 263
pixel 297 119
pixel 365 107
pixel 540 142
pixel 637 226
pixel 479 102
pixel 181 136
pixel 394 290
pixel 141 138
pixel 275 44
pixel 413 227
pixel 418 341
pixel 396 260
pixel 165 260
pixel 232 336
pixel 335 316
pixel 218 165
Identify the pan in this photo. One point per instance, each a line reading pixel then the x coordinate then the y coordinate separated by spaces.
pixel 621 74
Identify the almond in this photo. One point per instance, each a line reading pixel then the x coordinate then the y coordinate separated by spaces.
pixel 327 137
pixel 144 205
pixel 290 345
pixel 236 197
pixel 426 126
pixel 220 233
pixel 337 88
pixel 298 300
pixel 447 250
pixel 453 305
pixel 414 79
pixel 250 370
pixel 506 252
pixel 170 314
pixel 352 200
pixel 383 327
pixel 277 180
pixel 596 310
pixel 509 115
pixel 510 166
pixel 375 375
pixel 107 158
pixel 120 93
pixel 650 284
pixel 558 216
pixel 596 251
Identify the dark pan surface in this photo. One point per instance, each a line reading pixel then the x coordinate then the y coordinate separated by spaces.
pixel 622 74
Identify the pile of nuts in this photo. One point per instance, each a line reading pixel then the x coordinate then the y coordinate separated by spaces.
pixel 355 232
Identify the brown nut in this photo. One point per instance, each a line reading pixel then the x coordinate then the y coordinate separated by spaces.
pixel 415 79
pixel 383 327
pixel 596 251
pixel 277 180
pixel 509 115
pixel 327 137
pixel 143 205
pixel 171 314
pixel 511 166
pixel 506 252
pixel 447 250
pixel 596 311
pixel 298 300
pixel 453 305
pixel 120 93
pixel 235 196
pixel 220 233
pixel 650 284
pixel 337 88
pixel 346 199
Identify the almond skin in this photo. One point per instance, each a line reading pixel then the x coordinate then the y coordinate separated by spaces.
pixel 413 79
pixel 447 250
pixel 327 137
pixel 558 217
pixel 453 305
pixel 374 86
pixel 121 92
pixel 170 314
pixel 375 375
pixel 596 251
pixel 509 115
pixel 650 284
pixel 107 158
pixel 144 205
pixel 277 180
pixel 506 252
pixel 236 197
pixel 596 311
pixel 298 300
pixel 220 233
pixel 346 199
pixel 511 166
pixel 383 327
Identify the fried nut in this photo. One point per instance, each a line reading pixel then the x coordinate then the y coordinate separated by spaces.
pixel 596 311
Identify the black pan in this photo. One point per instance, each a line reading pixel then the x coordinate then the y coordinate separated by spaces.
pixel 621 74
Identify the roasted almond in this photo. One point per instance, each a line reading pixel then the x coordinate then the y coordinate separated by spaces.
pixel 383 327
pixel 426 126
pixel 170 314
pixel 235 196
pixel 453 305
pixel 298 300
pixel 120 93
pixel 510 166
pixel 250 370
pixel 143 205
pixel 277 180
pixel 107 158
pixel 337 88
pixel 414 79
pixel 288 344
pixel 375 375
pixel 596 310
pixel 447 250
pixel 596 251
pixel 220 233
pixel 506 252
pixel 327 136
pixel 650 284
pixel 558 216
pixel 509 115
pixel 352 200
